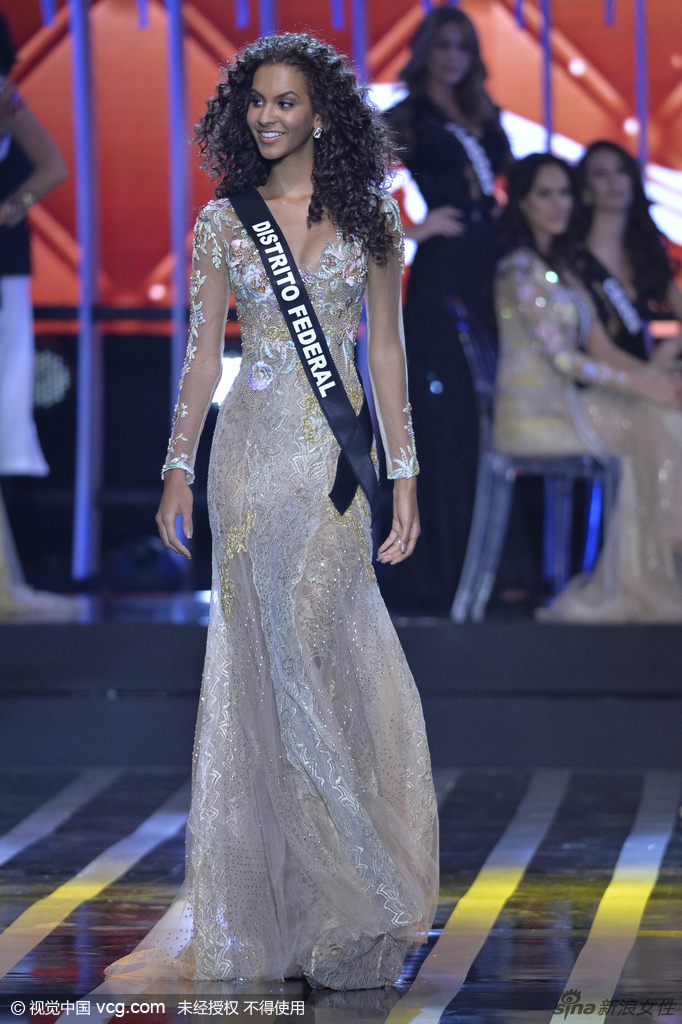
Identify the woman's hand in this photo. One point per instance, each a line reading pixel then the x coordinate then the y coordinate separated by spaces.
pixel 663 388
pixel 12 211
pixel 445 221
pixel 177 501
pixel 667 349
pixel 405 526
pixel 9 99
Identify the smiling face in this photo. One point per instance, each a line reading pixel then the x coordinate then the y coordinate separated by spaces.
pixel 608 186
pixel 280 115
pixel 450 57
pixel 548 203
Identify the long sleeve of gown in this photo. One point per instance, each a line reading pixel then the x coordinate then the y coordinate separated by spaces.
pixel 209 301
pixel 386 354
pixel 539 298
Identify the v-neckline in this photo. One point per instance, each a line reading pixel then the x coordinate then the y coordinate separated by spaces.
pixel 307 267
pixel 626 288
pixel 446 119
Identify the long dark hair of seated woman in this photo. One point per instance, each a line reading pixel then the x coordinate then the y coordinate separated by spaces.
pixel 353 156
pixel 642 240
pixel 514 229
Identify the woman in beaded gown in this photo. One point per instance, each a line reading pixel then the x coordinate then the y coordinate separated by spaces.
pixel 312 835
pixel 564 388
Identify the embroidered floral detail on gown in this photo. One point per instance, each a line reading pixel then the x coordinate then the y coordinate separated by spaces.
pixel 540 410
pixel 312 835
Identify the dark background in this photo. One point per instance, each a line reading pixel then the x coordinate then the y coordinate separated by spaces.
pixel 136 433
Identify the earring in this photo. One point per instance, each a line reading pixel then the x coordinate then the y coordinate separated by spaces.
pixel 317 133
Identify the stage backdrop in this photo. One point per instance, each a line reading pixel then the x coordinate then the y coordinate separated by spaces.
pixel 593 96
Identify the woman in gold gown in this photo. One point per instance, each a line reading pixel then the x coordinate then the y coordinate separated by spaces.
pixel 312 835
pixel 564 388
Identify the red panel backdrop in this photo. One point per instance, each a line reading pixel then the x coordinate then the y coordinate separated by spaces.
pixel 130 103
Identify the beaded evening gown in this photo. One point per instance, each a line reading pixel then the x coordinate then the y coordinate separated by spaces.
pixel 542 409
pixel 312 835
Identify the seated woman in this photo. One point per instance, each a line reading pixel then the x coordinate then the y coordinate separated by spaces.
pixel 554 399
pixel 623 260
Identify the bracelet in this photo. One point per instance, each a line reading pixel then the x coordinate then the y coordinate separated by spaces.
pixel 19 205
pixel 178 464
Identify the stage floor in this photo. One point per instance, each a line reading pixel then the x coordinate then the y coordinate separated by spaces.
pixel 553 881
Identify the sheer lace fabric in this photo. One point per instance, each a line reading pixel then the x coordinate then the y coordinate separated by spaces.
pixel 349 275
pixel 539 410
pixel 312 836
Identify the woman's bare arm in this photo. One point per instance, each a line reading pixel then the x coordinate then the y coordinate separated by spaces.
pixel 49 169
pixel 601 347
pixel 445 221
pixel 671 348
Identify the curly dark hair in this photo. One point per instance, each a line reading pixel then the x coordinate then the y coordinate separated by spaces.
pixel 643 242
pixel 353 157
pixel 470 94
pixel 514 227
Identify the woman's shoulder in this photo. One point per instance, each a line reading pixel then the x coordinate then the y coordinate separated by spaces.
pixel 523 260
pixel 217 210
pixel 391 211
pixel 590 266
pixel 402 112
pixel 402 122
pixel 414 120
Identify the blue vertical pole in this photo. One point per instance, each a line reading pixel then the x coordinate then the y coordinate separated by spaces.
pixel 518 11
pixel 179 191
pixel 336 15
pixel 641 79
pixel 546 70
pixel 358 30
pixel 593 520
pixel 266 17
pixel 609 12
pixel 142 14
pixel 241 14
pixel 47 11
pixel 85 552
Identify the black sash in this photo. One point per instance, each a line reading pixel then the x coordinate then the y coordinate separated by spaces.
pixel 353 433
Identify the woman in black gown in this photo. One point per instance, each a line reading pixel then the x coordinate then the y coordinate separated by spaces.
pixel 451 141
pixel 623 257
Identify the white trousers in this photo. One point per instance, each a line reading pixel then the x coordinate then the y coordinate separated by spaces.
pixel 20 452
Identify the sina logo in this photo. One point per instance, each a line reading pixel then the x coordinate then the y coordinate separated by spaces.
pixel 570 1003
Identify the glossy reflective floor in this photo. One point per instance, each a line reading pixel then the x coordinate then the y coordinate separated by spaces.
pixel 552 883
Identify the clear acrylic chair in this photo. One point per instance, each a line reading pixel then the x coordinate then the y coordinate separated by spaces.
pixel 497 474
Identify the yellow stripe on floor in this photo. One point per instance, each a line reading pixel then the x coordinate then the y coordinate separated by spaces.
pixel 31 927
pixel 659 934
pixel 445 968
pixel 614 929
